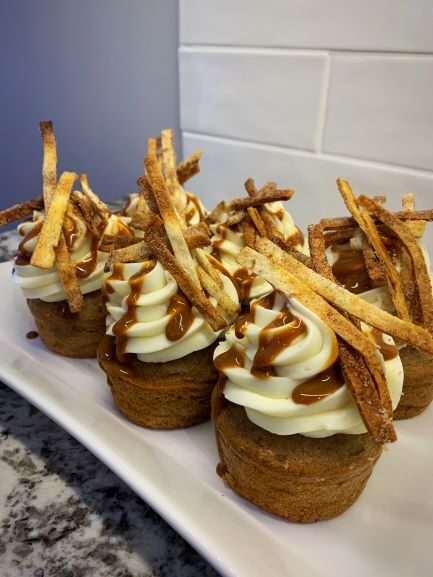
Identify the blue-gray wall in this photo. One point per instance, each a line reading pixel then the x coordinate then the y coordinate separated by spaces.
pixel 104 71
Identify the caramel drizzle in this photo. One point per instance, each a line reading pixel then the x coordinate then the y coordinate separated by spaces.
pixel 180 317
pixel 121 327
pixel 388 351
pixel 232 358
pixel 273 338
pixel 87 265
pixel 196 208
pixel 31 234
pixel 296 239
pixel 71 231
pixel 350 271
pixel 319 387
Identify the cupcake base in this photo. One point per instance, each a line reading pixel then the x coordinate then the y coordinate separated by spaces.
pixel 298 478
pixel 170 395
pixel 418 383
pixel 70 334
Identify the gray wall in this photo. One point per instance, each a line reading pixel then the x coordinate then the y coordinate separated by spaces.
pixel 104 71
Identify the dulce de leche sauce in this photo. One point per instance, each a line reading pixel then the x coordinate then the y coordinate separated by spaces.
pixel 274 338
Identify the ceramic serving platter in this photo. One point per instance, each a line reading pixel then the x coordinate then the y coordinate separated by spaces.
pixel 388 532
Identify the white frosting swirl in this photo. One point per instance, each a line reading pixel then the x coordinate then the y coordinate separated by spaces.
pixel 268 401
pixel 45 284
pixel 228 242
pixel 146 335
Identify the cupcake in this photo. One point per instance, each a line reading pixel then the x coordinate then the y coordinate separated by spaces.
pixel 59 265
pixel 290 437
pixel 165 314
pixel 77 333
pixel 389 277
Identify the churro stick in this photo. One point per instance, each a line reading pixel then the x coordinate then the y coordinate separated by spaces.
pixel 170 172
pixel 44 254
pixel 364 393
pixel 421 274
pixel 255 217
pixel 170 218
pixel 100 207
pixel 49 164
pixel 183 279
pixel 21 210
pixel 197 235
pixel 376 416
pixel 189 167
pixel 203 260
pixel 347 301
pixel 372 263
pixel 136 252
pixel 214 290
pixel 369 228
pixel 341 222
pixel 68 277
pixel 259 199
pixel 89 212
pixel 316 242
pixel 249 232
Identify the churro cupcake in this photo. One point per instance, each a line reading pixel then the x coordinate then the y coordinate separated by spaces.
pixel 381 257
pixel 59 265
pixel 166 311
pixel 290 436
pixel 235 224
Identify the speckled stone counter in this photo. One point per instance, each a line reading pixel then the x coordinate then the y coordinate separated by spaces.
pixel 64 514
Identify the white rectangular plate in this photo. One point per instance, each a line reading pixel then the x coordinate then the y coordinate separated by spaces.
pixel 387 532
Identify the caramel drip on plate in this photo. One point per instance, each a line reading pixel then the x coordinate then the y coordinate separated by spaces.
pixel 120 329
pixel 32 335
pixel 181 317
pixel 388 351
pixel 319 387
pixel 31 234
pixel 350 271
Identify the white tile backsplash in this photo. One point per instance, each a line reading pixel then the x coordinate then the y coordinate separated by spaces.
pixel 227 164
pixel 253 95
pixel 381 108
pixel 305 91
pixel 384 25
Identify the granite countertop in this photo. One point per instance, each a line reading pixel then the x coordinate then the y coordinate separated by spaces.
pixel 64 514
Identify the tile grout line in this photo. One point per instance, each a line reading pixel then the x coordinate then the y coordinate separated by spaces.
pixel 310 153
pixel 323 106
pixel 249 49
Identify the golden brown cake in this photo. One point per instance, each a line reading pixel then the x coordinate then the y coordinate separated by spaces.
pixel 70 334
pixel 166 395
pixel 418 383
pixel 298 478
